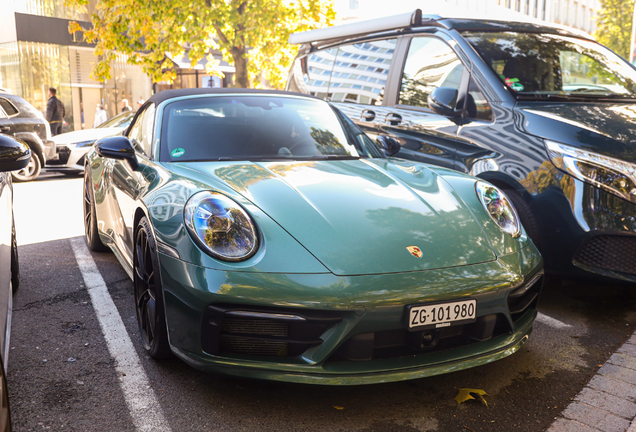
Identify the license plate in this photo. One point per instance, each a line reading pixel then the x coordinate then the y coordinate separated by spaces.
pixel 438 315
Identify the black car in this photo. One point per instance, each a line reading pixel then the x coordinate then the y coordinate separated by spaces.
pixel 14 155
pixel 543 112
pixel 20 119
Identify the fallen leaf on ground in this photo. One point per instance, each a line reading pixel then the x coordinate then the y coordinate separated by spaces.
pixel 464 394
pixel 338 408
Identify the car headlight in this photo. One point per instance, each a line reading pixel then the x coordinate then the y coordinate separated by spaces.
pixel 613 175
pixel 499 208
pixel 81 144
pixel 220 226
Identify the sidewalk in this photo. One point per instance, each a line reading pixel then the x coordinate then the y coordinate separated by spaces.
pixel 608 402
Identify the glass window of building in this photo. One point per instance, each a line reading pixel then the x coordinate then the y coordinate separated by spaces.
pixel 430 64
pixel 360 72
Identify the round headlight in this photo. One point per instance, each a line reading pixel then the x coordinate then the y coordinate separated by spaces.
pixel 499 208
pixel 220 226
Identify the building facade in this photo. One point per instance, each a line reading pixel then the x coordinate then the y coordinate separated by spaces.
pixel 579 14
pixel 38 52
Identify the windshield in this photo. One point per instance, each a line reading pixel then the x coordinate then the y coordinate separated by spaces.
pixel 120 120
pixel 545 65
pixel 253 128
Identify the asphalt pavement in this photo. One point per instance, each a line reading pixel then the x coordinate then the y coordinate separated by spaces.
pixel 63 374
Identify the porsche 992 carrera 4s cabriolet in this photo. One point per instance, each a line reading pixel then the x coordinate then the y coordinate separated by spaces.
pixel 267 236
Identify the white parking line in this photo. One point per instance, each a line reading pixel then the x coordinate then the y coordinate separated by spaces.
pixel 544 319
pixel 144 408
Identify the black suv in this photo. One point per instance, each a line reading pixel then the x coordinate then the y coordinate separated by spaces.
pixel 20 119
pixel 543 112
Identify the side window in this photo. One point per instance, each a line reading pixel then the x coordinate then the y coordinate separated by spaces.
pixel 477 106
pixel 360 72
pixel 141 131
pixel 316 81
pixel 430 64
pixel 8 107
pixel 147 127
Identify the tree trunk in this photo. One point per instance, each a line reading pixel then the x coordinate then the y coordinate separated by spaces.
pixel 240 64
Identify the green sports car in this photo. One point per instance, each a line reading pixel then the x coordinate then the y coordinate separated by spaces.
pixel 267 236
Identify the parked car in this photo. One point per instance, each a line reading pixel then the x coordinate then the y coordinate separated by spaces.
pixel 542 112
pixel 20 119
pixel 71 147
pixel 14 155
pixel 267 236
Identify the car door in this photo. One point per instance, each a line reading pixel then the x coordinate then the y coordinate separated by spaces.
pixel 424 135
pixel 128 183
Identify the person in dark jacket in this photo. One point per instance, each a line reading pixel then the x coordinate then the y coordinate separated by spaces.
pixel 55 112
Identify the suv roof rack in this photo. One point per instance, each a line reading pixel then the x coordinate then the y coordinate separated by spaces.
pixel 405 20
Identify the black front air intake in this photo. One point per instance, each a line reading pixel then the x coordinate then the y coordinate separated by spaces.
pixel 263 331
pixel 609 252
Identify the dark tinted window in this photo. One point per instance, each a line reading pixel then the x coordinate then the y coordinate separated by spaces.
pixel 477 106
pixel 8 107
pixel 430 64
pixel 253 128
pixel 545 64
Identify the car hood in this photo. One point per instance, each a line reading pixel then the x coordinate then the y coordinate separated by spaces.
pixel 605 128
pixel 85 135
pixel 359 216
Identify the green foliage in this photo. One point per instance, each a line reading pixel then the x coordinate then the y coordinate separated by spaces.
pixel 251 34
pixel 614 25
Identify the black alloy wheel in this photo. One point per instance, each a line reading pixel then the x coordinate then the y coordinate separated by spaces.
pixel 15 267
pixel 148 294
pixel 29 172
pixel 90 219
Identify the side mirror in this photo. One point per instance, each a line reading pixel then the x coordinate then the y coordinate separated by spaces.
pixel 14 154
pixel 389 145
pixel 117 147
pixel 443 101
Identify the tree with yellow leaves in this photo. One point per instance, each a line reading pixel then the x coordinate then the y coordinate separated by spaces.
pixel 251 34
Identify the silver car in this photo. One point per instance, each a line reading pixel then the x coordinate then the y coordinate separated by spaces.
pixel 71 147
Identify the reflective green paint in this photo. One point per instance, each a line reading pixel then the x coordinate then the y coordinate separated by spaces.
pixel 358 216
pixel 189 289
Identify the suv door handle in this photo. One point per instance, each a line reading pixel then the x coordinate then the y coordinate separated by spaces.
pixel 5 128
pixel 393 119
pixel 367 115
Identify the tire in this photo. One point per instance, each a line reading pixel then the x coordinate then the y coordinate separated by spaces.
pixel 149 294
pixel 30 172
pixel 15 266
pixel 90 219
pixel 526 216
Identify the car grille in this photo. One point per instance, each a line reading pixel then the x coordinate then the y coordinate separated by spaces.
pixel 401 342
pixel 258 331
pixel 63 153
pixel 609 252
pixel 525 297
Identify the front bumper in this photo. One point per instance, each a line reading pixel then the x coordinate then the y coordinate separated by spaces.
pixel 587 231
pixel 68 158
pixel 365 315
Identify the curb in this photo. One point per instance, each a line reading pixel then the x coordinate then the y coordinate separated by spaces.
pixel 608 402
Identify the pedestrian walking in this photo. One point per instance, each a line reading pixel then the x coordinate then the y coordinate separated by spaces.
pixel 100 115
pixel 55 112
pixel 124 106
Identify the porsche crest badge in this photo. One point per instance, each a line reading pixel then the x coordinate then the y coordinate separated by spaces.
pixel 415 251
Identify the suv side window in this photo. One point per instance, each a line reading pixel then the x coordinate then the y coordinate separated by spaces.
pixel 316 81
pixel 140 133
pixel 360 72
pixel 8 107
pixel 477 107
pixel 430 64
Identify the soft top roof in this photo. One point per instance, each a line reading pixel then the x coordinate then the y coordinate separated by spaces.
pixel 165 95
